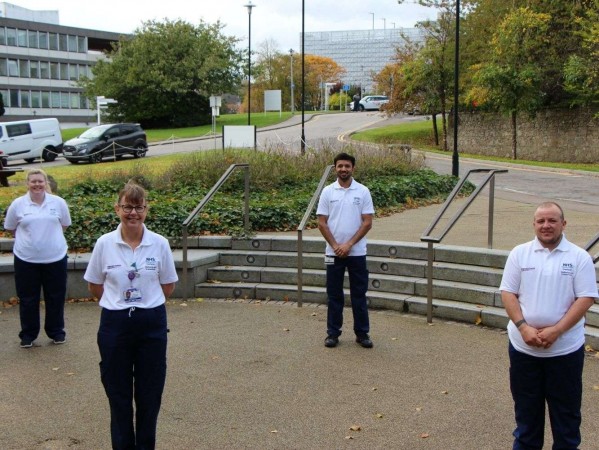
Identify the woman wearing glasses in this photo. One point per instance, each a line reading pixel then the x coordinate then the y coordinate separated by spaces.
pixel 132 272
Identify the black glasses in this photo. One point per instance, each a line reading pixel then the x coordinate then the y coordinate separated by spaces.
pixel 128 208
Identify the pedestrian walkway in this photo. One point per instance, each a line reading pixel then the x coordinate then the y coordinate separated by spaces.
pixel 256 375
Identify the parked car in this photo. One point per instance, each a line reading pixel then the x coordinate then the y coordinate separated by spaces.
pixel 372 102
pixel 112 140
pixel 30 140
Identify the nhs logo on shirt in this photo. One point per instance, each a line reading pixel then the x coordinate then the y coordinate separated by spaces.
pixel 357 201
pixel 151 263
pixel 567 269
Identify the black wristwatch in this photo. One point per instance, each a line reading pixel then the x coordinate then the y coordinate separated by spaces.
pixel 520 322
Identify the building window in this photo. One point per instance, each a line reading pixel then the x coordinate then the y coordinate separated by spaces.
pixel 64 71
pixel 11 37
pixel 25 99
pixel 44 70
pixel 63 43
pixel 14 98
pixel 22 38
pixel 13 68
pixel 43 40
pixel 81 44
pixel 45 99
pixel 64 100
pixel 36 99
pixel 3 68
pixel 75 100
pixel 72 43
pixel 34 69
pixel 24 68
pixel 5 96
pixel 54 71
pixel 2 36
pixel 53 41
pixel 55 99
pixel 73 72
pixel 32 35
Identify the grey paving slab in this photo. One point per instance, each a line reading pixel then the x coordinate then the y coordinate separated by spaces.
pixel 255 375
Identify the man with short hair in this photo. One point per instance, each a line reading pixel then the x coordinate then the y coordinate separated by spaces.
pixel 548 285
pixel 345 213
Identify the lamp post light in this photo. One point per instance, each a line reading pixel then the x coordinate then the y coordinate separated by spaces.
pixel 455 166
pixel 249 6
pixel 303 137
pixel 292 96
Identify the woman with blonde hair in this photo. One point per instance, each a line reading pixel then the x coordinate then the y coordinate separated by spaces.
pixel 38 220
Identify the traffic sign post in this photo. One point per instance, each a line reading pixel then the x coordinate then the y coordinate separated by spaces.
pixel 103 102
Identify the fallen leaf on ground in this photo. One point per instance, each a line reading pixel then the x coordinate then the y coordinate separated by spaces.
pixel 379 416
pixel 424 435
pixel 349 437
pixel 355 428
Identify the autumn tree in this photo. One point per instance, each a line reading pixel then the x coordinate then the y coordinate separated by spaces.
pixel 512 81
pixel 581 71
pixel 164 74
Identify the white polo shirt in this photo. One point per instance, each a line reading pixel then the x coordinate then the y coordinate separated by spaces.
pixel 344 208
pixel 547 283
pixel 141 271
pixel 39 236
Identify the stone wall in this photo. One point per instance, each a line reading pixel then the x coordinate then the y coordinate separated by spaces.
pixel 567 135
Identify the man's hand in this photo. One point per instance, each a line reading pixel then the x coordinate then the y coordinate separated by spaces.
pixel 342 250
pixel 548 336
pixel 530 335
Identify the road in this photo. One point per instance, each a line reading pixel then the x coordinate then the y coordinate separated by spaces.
pixel 577 190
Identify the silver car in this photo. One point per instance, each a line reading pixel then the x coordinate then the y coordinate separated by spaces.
pixel 373 102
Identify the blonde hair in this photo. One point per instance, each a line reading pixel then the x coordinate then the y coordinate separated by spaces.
pixel 42 173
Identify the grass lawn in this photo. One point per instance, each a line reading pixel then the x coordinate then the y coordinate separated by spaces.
pixel 420 135
pixel 155 135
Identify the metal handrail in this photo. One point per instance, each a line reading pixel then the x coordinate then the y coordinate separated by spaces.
pixel 300 229
pixel 205 200
pixel 589 245
pixel 426 236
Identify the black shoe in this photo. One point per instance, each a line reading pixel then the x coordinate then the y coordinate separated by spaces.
pixel 364 341
pixel 26 344
pixel 331 341
pixel 60 340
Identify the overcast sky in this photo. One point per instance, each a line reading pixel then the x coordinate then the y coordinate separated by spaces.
pixel 278 20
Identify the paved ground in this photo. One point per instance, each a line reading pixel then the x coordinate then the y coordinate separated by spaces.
pixel 257 376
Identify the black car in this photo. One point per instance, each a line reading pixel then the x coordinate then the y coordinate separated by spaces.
pixel 111 140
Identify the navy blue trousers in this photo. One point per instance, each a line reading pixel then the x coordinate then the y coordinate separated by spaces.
pixel 557 381
pixel 30 279
pixel 358 285
pixel 132 345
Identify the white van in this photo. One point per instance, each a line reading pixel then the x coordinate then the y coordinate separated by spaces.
pixel 30 140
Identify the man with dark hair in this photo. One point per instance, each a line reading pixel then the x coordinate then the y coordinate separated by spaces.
pixel 548 285
pixel 345 213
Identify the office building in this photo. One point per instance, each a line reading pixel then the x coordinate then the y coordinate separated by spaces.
pixel 361 53
pixel 41 62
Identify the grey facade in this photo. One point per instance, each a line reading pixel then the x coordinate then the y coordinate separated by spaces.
pixel 361 53
pixel 40 64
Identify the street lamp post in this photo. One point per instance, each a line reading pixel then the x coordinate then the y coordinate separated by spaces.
pixel 249 6
pixel 303 137
pixel 292 96
pixel 372 14
pixel 455 166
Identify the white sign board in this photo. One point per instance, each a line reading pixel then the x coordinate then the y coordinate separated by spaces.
pixel 239 136
pixel 272 100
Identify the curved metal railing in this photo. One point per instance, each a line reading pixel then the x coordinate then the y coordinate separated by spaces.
pixel 204 201
pixel 427 237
